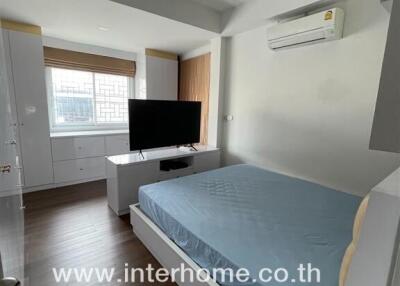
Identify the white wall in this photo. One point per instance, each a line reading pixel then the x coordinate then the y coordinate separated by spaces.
pixel 217 85
pixel 308 111
pixel 83 48
pixel 140 77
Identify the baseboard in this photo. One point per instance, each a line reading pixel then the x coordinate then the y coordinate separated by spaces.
pixel 59 185
pixel 10 193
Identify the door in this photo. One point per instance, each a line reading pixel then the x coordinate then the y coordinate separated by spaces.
pixel 11 213
pixel 29 91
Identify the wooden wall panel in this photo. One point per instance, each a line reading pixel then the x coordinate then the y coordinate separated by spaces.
pixel 194 85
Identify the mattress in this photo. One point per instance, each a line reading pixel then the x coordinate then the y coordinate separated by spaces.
pixel 246 217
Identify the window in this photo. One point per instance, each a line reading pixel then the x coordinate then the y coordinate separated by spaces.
pixel 82 100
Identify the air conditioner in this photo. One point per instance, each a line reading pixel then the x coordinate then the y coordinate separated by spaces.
pixel 319 27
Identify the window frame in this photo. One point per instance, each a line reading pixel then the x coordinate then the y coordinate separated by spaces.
pixel 72 127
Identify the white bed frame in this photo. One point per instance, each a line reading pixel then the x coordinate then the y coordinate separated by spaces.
pixel 374 262
pixel 163 249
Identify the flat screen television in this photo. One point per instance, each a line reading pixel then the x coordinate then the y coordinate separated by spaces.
pixel 162 123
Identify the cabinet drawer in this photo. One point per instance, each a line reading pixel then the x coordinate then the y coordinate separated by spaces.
pixel 74 170
pixel 117 145
pixel 78 147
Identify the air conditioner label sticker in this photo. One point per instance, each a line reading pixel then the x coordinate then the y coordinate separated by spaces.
pixel 328 15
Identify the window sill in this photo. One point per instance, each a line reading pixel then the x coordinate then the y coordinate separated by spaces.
pixel 87 133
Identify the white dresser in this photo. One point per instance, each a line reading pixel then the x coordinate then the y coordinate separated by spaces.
pixel 80 157
pixel 126 173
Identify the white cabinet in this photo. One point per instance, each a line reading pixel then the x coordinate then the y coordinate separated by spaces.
pixel 206 161
pixel 78 159
pixel 25 66
pixel 117 144
pixel 161 78
pixel 77 148
pixel 80 169
pixel 123 183
pixel 126 173
pixel 156 77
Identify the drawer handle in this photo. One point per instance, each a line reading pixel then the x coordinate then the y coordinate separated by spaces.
pixel 81 169
pixel 11 142
pixel 5 169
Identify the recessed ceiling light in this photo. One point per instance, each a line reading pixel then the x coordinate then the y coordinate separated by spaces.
pixel 102 28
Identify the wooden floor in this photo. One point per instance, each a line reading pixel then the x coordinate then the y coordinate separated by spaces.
pixel 73 227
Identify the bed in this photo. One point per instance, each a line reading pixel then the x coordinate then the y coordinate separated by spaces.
pixel 246 217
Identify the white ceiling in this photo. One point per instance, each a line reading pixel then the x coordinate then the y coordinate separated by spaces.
pixel 131 25
pixel 130 29
pixel 220 5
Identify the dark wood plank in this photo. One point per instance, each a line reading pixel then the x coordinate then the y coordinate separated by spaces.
pixel 73 227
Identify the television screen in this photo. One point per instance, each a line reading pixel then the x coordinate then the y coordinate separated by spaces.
pixel 161 123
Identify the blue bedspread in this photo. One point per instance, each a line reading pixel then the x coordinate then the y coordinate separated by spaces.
pixel 244 216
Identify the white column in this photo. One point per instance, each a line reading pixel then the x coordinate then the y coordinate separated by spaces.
pixel 217 85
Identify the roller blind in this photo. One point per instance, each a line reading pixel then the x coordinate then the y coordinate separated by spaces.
pixel 66 59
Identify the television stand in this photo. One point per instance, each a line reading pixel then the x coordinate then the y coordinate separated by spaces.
pixel 126 173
